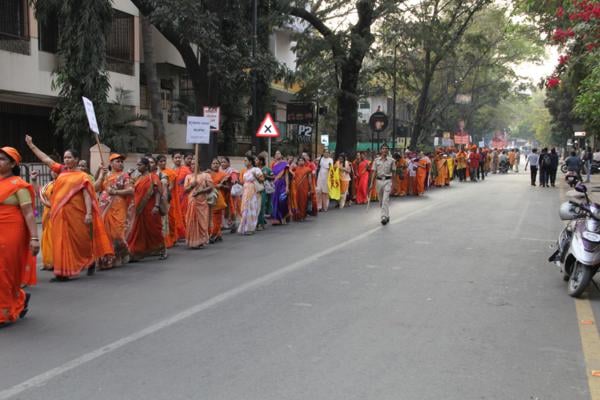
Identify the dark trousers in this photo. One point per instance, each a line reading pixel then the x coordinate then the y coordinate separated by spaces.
pixel 481 172
pixel 473 174
pixel 544 176
pixel 552 174
pixel 462 174
pixel 534 170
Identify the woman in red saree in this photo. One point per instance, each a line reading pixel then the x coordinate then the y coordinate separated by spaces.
pixel 220 180
pixel 19 241
pixel 303 187
pixel 362 174
pixel 78 234
pixel 116 194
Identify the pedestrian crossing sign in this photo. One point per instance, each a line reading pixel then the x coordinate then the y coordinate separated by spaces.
pixel 267 128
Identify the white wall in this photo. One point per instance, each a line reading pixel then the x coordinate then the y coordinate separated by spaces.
pixel 280 44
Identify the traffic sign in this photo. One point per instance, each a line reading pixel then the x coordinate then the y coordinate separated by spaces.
pixel 267 128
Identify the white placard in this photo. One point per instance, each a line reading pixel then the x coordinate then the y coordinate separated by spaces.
pixel 325 140
pixel 214 114
pixel 91 115
pixel 482 143
pixel 198 130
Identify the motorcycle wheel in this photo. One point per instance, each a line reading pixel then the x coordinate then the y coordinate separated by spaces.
pixel 580 278
pixel 563 168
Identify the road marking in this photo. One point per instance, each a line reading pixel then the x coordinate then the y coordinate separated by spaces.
pixel 43 378
pixel 590 342
pixel 536 239
pixel 521 219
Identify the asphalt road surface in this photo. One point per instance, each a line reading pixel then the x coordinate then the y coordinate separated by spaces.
pixel 453 300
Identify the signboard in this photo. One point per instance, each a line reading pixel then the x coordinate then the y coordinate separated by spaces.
pixel 447 142
pixel 325 140
pixel 305 130
pixel 198 130
pixel 446 135
pixel 461 138
pixel 267 128
pixel 300 113
pixel 91 115
pixel 378 121
pixel 482 144
pixel 580 134
pixel 214 115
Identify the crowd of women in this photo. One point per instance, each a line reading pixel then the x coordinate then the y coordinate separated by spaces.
pixel 117 216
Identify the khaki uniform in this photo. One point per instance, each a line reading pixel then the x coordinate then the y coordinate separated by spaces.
pixel 384 169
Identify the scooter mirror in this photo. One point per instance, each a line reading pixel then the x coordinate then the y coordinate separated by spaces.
pixel 581 188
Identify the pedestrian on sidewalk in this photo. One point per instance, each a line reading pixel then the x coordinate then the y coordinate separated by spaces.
pixel 544 164
pixel 473 163
pixel 553 166
pixel 384 168
pixel 532 160
pixel 588 155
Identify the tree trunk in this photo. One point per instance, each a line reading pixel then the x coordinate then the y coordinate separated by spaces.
pixel 347 109
pixel 420 113
pixel 153 87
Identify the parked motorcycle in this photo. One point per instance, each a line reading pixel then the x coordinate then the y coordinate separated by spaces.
pixel 578 248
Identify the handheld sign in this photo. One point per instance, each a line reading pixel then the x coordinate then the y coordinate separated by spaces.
pixel 267 128
pixel 91 115
pixel 214 114
pixel 198 130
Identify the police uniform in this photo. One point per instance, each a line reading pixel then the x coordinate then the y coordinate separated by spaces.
pixel 384 169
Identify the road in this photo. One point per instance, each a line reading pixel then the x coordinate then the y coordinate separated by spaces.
pixel 453 300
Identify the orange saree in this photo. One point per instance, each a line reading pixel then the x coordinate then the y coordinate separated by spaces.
pixel 75 244
pixel 182 172
pixel 46 244
pixel 421 178
pixel 176 227
pixel 197 216
pixel 217 210
pixel 301 186
pixel 146 237
pixel 114 210
pixel 16 260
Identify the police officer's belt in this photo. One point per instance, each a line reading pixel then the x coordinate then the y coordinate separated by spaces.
pixel 383 178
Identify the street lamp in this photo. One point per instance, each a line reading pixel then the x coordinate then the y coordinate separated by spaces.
pixel 254 77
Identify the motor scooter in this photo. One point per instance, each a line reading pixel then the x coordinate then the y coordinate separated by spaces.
pixel 578 248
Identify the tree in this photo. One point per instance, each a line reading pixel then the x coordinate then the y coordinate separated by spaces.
pixel 349 45
pixel 83 28
pixel 158 127
pixel 427 33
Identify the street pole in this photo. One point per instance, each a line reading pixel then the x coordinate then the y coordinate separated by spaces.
pixel 254 88
pixel 394 103
pixel 317 130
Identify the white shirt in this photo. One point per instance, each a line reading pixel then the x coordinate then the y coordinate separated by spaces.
pixel 533 159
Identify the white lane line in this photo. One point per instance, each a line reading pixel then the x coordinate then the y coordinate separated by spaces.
pixel 44 377
pixel 521 219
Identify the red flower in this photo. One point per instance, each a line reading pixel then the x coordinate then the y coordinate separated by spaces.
pixel 591 46
pixel 562 60
pixel 553 82
pixel 560 11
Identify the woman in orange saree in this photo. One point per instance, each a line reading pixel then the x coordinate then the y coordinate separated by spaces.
pixel 146 236
pixel 176 228
pixel 220 181
pixel 363 179
pixel 45 195
pixel 198 212
pixel 421 179
pixel 116 193
pixel 19 241
pixel 303 187
pixel 78 234
pixel 182 171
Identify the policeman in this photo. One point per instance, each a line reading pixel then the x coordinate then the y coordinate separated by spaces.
pixel 384 167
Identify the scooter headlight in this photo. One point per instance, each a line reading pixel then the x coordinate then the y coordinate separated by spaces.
pixel 591 236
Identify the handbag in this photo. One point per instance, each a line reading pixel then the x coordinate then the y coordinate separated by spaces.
pixel 211 198
pixel 269 187
pixel 237 190
pixel 259 186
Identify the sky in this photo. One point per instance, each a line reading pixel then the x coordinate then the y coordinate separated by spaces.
pixel 536 71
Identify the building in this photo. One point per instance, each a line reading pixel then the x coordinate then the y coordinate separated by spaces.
pixel 28 59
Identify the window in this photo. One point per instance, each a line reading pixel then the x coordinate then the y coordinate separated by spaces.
pixel 14 28
pixel 49 34
pixel 13 19
pixel 120 44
